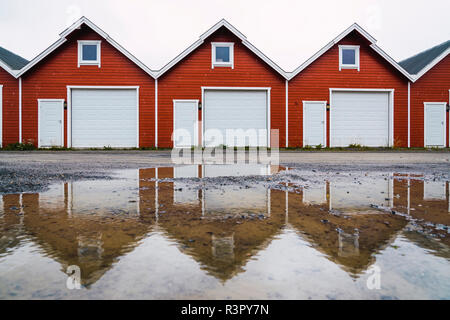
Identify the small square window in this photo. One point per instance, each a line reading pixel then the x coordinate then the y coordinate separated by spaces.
pixel 348 57
pixel 222 54
pixel 89 53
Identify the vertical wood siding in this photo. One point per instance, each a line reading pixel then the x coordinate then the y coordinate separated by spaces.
pixel 314 83
pixel 184 81
pixel 50 78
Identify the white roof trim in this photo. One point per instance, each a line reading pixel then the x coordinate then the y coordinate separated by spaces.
pixel 431 64
pixel 8 69
pixel 237 33
pixel 342 35
pixel 69 30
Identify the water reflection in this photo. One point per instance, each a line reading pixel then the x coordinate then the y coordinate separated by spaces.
pixel 224 226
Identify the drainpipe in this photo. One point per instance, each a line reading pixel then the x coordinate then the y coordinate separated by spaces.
pixel 156 113
pixel 20 110
pixel 409 114
pixel 287 113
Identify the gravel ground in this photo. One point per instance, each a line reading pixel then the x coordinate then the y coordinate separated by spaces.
pixel 35 171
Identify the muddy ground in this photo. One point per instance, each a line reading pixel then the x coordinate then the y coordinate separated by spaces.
pixel 35 171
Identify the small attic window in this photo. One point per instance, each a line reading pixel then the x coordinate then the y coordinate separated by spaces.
pixel 222 54
pixel 89 52
pixel 348 57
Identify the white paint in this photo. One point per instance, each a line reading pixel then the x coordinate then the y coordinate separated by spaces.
pixel 409 114
pixel 230 46
pixel 185 123
pixel 156 113
pixel 96 62
pixel 287 113
pixel 1 115
pixel 435 124
pixel 236 108
pixel 314 123
pixel 50 123
pixel 20 110
pixel 349 66
pixel 103 116
pixel 361 116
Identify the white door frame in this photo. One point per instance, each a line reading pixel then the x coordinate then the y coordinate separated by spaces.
pixel 324 103
pixel 1 115
pixel 62 119
pixel 196 118
pixel 391 107
pixel 268 89
pixel 69 107
pixel 444 105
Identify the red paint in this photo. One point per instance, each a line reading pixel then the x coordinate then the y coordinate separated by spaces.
pixel 184 81
pixel 433 86
pixel 10 93
pixel 314 83
pixel 50 77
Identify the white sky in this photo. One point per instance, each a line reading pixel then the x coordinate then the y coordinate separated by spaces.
pixel 287 31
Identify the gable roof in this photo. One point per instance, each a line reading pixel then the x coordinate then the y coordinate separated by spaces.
pixel 210 31
pixel 11 62
pixel 63 38
pixel 422 62
pixel 366 35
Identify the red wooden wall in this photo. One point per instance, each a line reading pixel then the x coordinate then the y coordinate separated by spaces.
pixel 314 82
pixel 10 108
pixel 433 86
pixel 50 77
pixel 184 81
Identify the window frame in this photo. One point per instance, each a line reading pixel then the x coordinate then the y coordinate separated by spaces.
pixel 82 62
pixel 214 63
pixel 349 66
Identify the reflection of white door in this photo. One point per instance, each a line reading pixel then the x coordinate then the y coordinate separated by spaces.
pixel 314 123
pixel 185 123
pixel 182 192
pixel 435 124
pixel 50 122
pixel 434 190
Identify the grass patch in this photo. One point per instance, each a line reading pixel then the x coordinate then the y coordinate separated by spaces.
pixel 27 146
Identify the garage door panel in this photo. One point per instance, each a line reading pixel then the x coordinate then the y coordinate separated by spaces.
pixel 104 117
pixel 359 118
pixel 236 109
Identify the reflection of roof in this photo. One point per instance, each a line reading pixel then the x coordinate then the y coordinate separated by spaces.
pixel 91 242
pixel 352 249
pixel 222 246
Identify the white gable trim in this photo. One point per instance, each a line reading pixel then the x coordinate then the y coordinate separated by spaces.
pixel 431 64
pixel 76 25
pixel 8 69
pixel 341 36
pixel 237 33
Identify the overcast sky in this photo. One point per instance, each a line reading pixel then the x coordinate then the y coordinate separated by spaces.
pixel 288 31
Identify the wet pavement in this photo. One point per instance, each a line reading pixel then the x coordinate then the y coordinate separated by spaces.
pixel 230 232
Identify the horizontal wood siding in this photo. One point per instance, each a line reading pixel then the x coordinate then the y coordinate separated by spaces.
pixel 431 87
pixel 10 108
pixel 184 81
pixel 50 78
pixel 314 83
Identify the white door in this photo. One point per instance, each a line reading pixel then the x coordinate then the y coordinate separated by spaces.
pixel 314 123
pixel 50 123
pixel 241 113
pixel 359 117
pixel 185 134
pixel 104 117
pixel 435 124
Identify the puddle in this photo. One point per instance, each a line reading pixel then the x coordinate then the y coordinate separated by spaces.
pixel 241 232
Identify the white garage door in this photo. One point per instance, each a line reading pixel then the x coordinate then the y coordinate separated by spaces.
pixel 359 118
pixel 104 117
pixel 244 112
